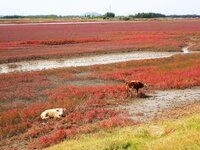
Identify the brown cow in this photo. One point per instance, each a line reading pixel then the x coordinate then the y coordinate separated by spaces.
pixel 133 85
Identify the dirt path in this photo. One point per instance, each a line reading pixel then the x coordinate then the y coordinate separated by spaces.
pixel 145 109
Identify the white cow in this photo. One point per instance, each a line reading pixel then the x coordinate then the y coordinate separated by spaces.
pixel 53 113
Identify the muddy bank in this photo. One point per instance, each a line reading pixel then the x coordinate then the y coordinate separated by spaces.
pixel 145 109
pixel 81 61
pixel 95 82
pixel 82 82
pixel 34 65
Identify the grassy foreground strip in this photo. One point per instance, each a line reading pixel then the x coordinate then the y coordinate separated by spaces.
pixel 179 134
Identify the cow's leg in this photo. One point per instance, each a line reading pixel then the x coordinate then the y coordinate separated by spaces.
pixel 127 92
pixel 137 91
pixel 45 116
pixel 131 93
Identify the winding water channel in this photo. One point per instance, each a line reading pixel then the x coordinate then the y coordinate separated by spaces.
pixel 34 65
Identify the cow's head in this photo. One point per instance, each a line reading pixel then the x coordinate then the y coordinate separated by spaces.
pixel 63 110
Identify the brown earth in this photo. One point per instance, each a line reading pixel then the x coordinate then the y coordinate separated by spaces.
pixel 163 104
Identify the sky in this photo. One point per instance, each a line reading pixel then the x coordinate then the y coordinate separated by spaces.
pixel 78 7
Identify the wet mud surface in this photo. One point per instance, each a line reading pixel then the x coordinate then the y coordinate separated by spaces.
pixel 94 82
pixel 146 109
pixel 81 61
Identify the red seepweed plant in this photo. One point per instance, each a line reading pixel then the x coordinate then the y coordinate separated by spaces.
pixel 23 96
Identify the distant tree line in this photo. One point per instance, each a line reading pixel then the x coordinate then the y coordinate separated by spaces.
pixel 12 17
pixel 108 15
pixel 147 15
pixel 155 15
pixel 184 16
pixel 36 16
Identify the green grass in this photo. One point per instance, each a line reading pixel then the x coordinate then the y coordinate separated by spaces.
pixel 167 135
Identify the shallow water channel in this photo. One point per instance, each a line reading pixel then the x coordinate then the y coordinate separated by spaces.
pixel 80 61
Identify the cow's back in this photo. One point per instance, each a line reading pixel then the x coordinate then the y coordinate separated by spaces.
pixel 135 84
pixel 140 85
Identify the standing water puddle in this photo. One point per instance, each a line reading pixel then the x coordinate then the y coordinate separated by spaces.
pixel 82 61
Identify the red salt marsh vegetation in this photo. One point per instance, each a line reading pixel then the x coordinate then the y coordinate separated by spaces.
pixel 24 42
pixel 89 108
pixel 47 32
pixel 23 96
pixel 159 74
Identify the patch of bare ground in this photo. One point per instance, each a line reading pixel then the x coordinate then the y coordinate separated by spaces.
pixel 180 111
pixel 82 74
pixel 88 82
pixel 80 82
pixel 14 103
pixel 152 105
pixel 31 65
